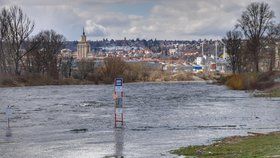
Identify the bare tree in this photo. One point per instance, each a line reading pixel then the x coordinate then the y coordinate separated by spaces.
pixel 19 29
pixel 233 44
pixel 34 60
pixel 271 42
pixel 254 22
pixel 113 67
pixel 3 36
pixel 66 66
pixel 44 58
pixel 85 67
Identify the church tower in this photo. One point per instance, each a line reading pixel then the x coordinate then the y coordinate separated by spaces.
pixel 83 48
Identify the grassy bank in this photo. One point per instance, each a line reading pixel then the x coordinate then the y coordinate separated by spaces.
pixel 258 145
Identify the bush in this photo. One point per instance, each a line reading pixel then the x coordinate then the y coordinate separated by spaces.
pixel 136 72
pixel 155 75
pixel 183 77
pixel 244 81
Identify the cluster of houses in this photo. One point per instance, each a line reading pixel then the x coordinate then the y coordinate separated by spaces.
pixel 172 59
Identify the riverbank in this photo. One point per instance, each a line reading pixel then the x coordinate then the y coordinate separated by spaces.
pixel 260 84
pixel 21 81
pixel 39 81
pixel 254 145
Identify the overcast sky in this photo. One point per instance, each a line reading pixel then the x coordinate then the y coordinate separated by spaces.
pixel 116 19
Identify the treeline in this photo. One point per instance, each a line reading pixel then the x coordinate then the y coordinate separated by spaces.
pixel 252 44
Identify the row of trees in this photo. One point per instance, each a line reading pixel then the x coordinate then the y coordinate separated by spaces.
pixel 19 51
pixel 254 39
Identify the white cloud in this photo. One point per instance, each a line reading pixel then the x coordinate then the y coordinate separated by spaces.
pixel 93 29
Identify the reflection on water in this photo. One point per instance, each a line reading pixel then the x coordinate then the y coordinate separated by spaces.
pixel 8 134
pixel 119 142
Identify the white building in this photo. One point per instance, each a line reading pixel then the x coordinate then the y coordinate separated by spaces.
pixel 83 48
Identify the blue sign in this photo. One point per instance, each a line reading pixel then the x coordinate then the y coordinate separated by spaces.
pixel 118 82
pixel 197 67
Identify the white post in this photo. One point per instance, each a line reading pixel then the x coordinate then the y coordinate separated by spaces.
pixel 8 112
pixel 216 52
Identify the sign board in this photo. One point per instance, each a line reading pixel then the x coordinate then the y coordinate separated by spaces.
pixel 8 112
pixel 119 82
pixel 118 85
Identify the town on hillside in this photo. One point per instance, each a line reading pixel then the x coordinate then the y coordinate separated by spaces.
pixel 188 56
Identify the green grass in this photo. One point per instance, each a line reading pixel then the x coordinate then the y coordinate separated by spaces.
pixel 257 146
pixel 270 94
pixel 275 93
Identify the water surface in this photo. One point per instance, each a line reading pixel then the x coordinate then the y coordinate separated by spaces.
pixel 77 121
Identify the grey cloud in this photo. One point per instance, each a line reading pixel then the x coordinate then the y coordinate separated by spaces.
pixel 117 20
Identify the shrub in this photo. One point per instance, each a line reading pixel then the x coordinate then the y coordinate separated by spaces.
pixel 183 77
pixel 155 75
pixel 244 81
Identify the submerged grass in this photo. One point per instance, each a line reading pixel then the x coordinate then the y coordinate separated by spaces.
pixel 260 145
pixel 275 93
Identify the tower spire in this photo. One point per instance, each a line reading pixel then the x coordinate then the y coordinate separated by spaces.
pixel 84 31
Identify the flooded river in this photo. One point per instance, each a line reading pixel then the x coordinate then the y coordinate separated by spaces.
pixel 77 121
